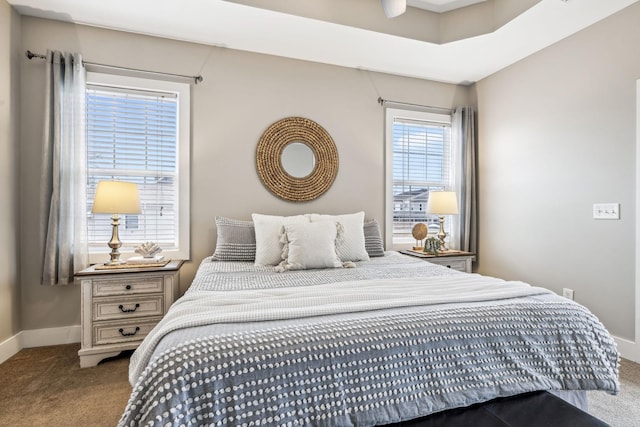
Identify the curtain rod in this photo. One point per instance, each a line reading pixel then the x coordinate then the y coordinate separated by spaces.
pixel 383 102
pixel 196 79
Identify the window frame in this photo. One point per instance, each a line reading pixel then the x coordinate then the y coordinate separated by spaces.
pixel 391 114
pixel 183 161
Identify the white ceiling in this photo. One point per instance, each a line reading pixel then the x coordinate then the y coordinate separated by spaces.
pixel 254 29
pixel 441 6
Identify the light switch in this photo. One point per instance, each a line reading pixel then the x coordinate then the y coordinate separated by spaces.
pixel 606 211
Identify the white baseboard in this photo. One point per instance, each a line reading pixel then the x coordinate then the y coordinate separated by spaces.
pixel 51 336
pixel 10 346
pixel 628 349
pixel 39 338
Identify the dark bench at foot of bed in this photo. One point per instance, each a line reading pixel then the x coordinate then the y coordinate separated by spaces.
pixel 538 409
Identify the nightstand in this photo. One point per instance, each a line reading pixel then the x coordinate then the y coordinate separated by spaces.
pixel 456 260
pixel 120 306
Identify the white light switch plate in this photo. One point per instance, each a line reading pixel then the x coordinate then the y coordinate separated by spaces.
pixel 606 211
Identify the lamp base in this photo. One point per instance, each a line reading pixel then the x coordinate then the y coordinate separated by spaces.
pixel 442 235
pixel 115 243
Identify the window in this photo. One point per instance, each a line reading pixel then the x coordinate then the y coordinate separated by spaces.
pixel 419 160
pixel 138 131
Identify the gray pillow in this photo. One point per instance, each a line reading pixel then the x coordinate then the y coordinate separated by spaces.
pixel 372 238
pixel 236 240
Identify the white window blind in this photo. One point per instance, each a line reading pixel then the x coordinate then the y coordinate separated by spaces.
pixel 419 145
pixel 133 135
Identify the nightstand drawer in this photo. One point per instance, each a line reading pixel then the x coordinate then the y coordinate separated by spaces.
pixel 116 332
pixel 128 307
pixel 454 264
pixel 127 286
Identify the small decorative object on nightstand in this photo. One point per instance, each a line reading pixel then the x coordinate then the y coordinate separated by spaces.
pixel 432 246
pixel 121 305
pixel 419 232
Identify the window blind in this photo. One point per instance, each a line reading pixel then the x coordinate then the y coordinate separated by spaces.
pixel 421 163
pixel 132 136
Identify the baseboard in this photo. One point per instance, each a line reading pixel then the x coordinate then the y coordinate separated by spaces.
pixel 10 346
pixel 629 350
pixel 39 338
pixel 51 336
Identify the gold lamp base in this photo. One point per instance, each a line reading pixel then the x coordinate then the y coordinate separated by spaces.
pixel 115 243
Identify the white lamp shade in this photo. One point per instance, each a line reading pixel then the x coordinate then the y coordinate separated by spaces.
pixel 442 203
pixel 393 8
pixel 116 197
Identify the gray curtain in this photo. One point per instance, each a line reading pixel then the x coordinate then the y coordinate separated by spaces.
pixel 464 136
pixel 63 181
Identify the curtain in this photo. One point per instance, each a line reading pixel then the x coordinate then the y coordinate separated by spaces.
pixel 63 181
pixel 463 129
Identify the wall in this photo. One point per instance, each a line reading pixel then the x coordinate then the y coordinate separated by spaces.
pixel 242 94
pixel 9 108
pixel 557 134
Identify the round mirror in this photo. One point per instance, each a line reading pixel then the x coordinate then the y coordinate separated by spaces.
pixel 298 159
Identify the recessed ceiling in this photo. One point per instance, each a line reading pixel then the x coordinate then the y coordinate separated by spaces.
pixel 294 34
pixel 441 6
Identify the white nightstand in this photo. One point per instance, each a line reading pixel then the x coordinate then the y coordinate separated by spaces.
pixel 120 306
pixel 456 260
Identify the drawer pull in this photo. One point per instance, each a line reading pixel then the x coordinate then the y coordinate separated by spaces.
pixel 128 310
pixel 128 287
pixel 128 334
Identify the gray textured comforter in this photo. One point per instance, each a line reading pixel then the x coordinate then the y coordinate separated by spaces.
pixel 246 347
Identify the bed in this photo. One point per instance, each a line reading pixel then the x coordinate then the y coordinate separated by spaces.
pixel 372 342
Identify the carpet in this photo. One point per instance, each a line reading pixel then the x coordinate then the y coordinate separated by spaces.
pixel 45 386
pixel 622 410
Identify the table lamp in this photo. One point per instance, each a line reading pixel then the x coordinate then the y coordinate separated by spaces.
pixel 442 203
pixel 116 197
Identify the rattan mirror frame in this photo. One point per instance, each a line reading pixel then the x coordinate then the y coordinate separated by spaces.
pixel 269 164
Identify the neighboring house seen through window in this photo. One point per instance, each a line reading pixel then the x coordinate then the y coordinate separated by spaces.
pixel 138 131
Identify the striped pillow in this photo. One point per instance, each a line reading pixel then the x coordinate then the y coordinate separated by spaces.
pixel 236 240
pixel 372 238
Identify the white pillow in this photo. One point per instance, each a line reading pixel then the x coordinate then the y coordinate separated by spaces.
pixel 351 247
pixel 311 245
pixel 268 229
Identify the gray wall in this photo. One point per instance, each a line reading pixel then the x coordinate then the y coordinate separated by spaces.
pixel 557 134
pixel 242 94
pixel 9 108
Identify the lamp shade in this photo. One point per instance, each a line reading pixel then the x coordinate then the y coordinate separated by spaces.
pixel 116 197
pixel 393 8
pixel 442 203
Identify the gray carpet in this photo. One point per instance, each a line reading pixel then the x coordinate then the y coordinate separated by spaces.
pixel 46 387
pixel 622 410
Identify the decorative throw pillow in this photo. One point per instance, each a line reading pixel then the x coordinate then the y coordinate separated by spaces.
pixel 236 240
pixel 372 239
pixel 351 247
pixel 310 245
pixel 268 229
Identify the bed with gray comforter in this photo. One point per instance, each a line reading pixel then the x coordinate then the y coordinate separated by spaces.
pixel 392 339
